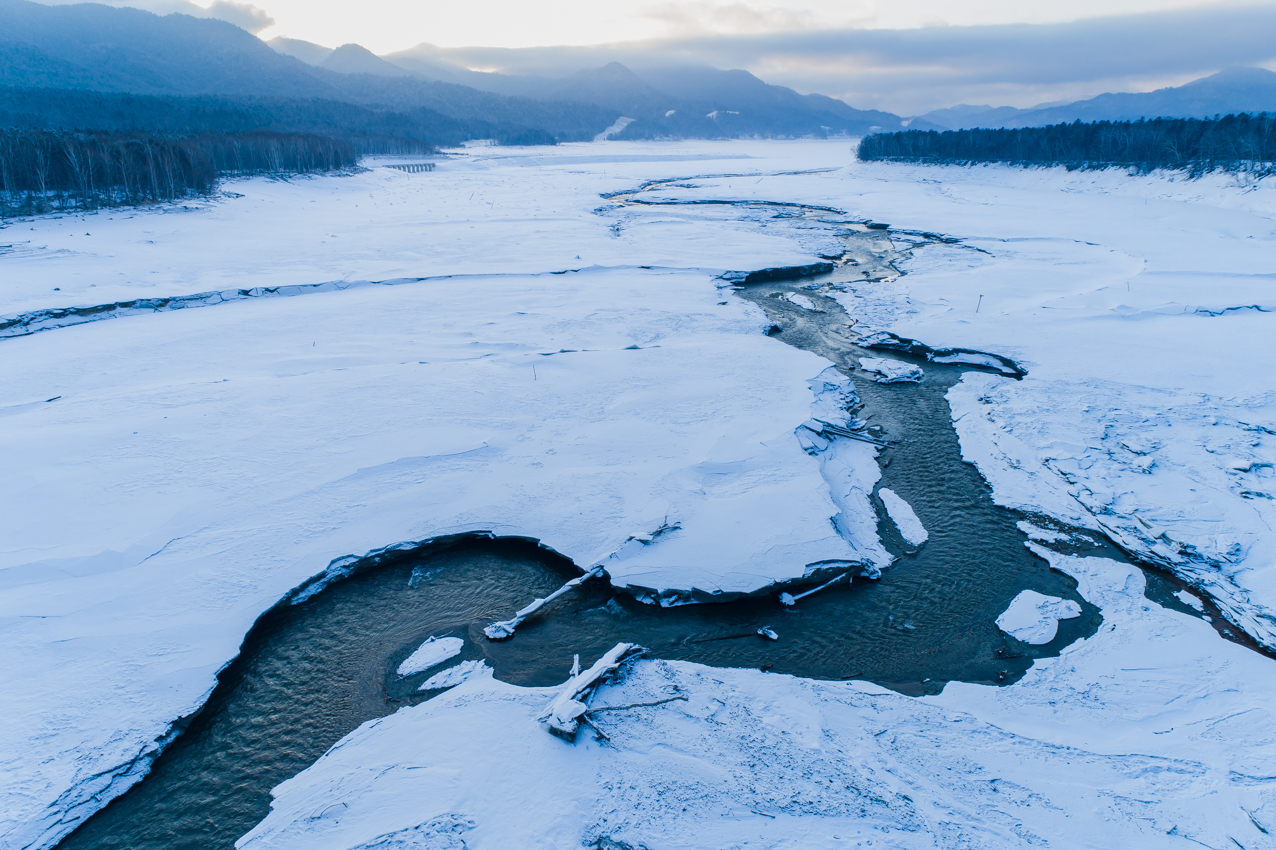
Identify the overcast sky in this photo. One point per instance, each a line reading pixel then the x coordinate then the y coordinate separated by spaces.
pixel 906 56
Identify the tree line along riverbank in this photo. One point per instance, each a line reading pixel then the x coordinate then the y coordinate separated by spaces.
pixel 45 171
pixel 1198 146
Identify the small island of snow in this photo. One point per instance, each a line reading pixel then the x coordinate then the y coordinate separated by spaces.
pixel 433 651
pixel 901 513
pixel 891 371
pixel 1034 617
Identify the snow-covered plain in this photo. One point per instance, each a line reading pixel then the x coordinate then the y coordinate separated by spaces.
pixel 197 465
pixel 171 476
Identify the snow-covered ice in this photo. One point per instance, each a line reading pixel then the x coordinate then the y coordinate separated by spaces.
pixel 1033 617
pixel 904 517
pixel 801 300
pixel 433 651
pixel 547 364
pixel 195 466
pixel 455 675
pixel 891 371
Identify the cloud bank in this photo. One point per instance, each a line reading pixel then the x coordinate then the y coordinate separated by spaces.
pixel 910 71
pixel 243 15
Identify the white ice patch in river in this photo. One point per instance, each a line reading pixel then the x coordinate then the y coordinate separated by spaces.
pixel 433 651
pixel 905 519
pixel 890 371
pixel 1189 600
pixel 453 676
pixel 801 300
pixel 1034 617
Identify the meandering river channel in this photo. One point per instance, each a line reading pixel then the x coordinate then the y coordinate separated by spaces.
pixel 310 673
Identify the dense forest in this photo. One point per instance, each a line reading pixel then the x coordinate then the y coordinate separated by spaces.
pixel 48 170
pixel 1197 146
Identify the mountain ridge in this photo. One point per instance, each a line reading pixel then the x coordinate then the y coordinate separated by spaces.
pixel 122 50
pixel 1230 91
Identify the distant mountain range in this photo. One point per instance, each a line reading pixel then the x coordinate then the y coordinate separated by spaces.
pixel 121 51
pixel 1233 90
pixel 91 66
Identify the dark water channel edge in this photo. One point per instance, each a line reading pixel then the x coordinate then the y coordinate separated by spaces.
pixel 309 674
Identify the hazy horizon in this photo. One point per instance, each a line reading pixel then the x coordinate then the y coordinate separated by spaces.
pixel 908 59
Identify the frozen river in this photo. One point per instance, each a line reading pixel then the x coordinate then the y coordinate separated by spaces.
pixel 590 379
pixel 310 674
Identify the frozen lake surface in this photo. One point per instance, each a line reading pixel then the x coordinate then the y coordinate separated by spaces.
pixel 176 474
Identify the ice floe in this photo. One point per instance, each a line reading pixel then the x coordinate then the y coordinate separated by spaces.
pixel 801 300
pixel 905 519
pixel 1034 617
pixel 889 371
pixel 433 651
pixel 455 675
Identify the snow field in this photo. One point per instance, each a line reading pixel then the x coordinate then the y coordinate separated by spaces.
pixel 482 211
pixel 198 465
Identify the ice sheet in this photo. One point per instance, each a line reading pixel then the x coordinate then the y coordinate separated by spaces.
pixel 174 475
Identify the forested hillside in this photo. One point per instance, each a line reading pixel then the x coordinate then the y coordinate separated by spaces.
pixel 370 131
pixel 1234 142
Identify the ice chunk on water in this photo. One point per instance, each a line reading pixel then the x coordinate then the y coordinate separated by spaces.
pixel 1034 617
pixel 901 513
pixel 801 301
pixel 891 371
pixel 433 651
pixel 1190 600
pixel 453 676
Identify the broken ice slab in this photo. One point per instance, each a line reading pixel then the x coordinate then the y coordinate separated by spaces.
pixel 1033 617
pixel 891 371
pixel 455 675
pixel 901 513
pixel 433 651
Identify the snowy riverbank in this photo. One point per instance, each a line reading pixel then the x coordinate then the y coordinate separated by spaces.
pixel 1142 308
pixel 174 475
pixel 1152 733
